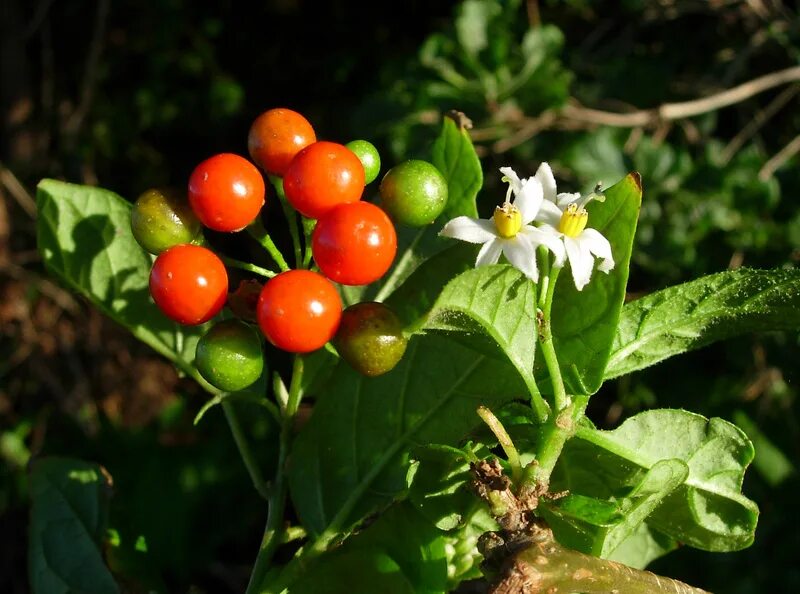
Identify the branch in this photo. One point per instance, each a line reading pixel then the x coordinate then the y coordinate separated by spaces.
pixel 684 109
pixel 544 566
pixel 786 153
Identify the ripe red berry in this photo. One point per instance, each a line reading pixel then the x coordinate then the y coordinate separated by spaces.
pixel 321 176
pixel 189 284
pixel 354 244
pixel 226 192
pixel 276 136
pixel 299 311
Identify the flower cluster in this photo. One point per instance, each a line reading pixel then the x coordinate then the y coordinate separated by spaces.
pixel 537 216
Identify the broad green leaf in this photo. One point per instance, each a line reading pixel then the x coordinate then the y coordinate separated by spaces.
pixel 642 547
pixel 454 156
pixel 707 511
pixel 599 527
pixel 354 572
pixel 584 322
pixel 500 302
pixel 412 300
pixel 438 486
pixel 85 239
pixel 697 313
pixel 414 546
pixel 353 455
pixel 68 522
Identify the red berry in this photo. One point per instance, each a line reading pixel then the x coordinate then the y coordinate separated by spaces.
pixel 299 311
pixel 354 244
pixel 189 284
pixel 276 136
pixel 321 176
pixel 226 192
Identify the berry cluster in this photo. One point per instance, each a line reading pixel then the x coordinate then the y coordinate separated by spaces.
pixel 353 242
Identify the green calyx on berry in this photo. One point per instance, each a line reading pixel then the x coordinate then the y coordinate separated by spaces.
pixel 162 218
pixel 370 338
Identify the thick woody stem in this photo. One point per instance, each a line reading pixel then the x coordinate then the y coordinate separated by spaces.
pixel 545 567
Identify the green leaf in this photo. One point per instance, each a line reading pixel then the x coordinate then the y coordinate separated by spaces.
pixel 355 572
pixel 584 322
pixel 500 302
pixel 68 522
pixel 697 313
pixel 352 456
pixel 85 239
pixel 707 511
pixel 599 527
pixel 642 547
pixel 456 159
pixel 415 549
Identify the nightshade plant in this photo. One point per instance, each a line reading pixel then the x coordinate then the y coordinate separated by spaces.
pixel 473 456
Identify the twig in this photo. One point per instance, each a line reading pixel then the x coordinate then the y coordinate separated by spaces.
pixel 18 191
pixel 684 109
pixel 786 153
pixel 758 121
pixel 75 121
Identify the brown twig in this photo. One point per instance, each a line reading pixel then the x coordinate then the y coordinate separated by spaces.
pixel 758 121
pixel 73 124
pixel 18 191
pixel 775 163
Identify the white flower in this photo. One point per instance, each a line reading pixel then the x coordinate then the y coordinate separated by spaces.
pixel 509 231
pixel 564 216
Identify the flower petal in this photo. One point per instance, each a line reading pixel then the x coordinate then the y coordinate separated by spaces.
pixel 564 199
pixel 545 176
pixel 522 255
pixel 581 261
pixel 548 237
pixel 490 253
pixel 513 179
pixel 469 229
pixel 593 241
pixel 529 199
pixel 549 213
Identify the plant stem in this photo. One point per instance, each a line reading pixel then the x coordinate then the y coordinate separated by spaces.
pixel 291 218
pixel 244 448
pixel 274 531
pixel 259 233
pixel 548 567
pixel 232 262
pixel 505 442
pixel 560 398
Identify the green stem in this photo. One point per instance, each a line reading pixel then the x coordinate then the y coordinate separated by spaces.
pixel 308 230
pixel 233 263
pixel 275 531
pixel 244 449
pixel 291 217
pixel 560 398
pixel 259 233
pixel 505 441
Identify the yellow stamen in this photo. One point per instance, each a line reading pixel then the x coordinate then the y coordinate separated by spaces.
pixel 507 220
pixel 573 221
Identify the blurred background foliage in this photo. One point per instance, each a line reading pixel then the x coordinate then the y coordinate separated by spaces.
pixel 128 95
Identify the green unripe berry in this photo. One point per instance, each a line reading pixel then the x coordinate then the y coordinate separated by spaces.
pixel 414 193
pixel 162 218
pixel 370 338
pixel 229 356
pixel 369 157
